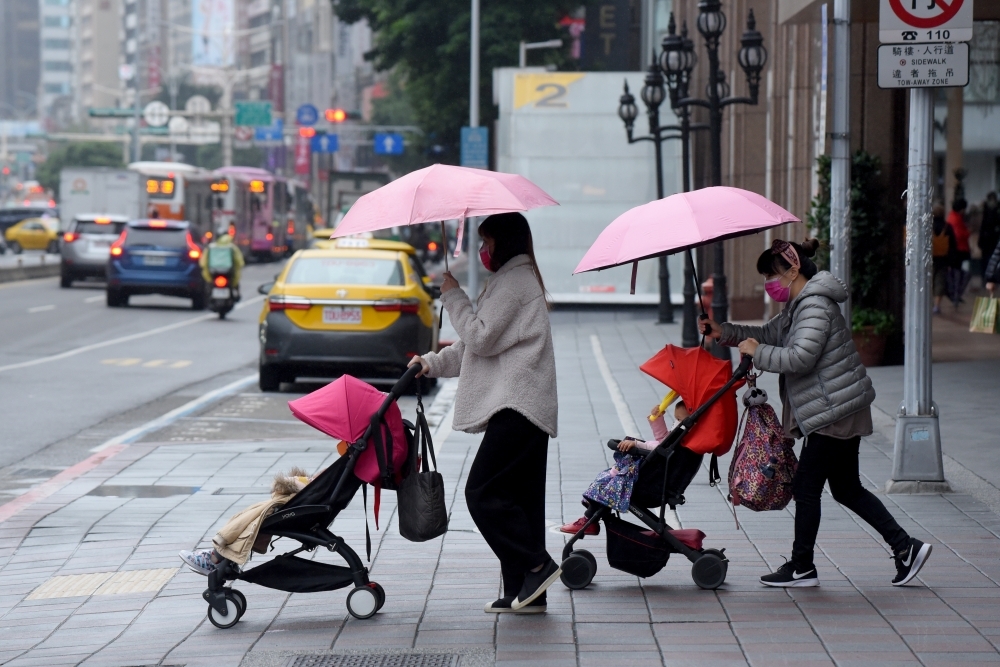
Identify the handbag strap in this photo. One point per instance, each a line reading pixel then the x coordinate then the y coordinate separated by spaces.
pixel 423 434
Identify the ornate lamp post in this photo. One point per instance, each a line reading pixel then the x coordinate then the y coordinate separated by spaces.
pixel 677 66
pixel 653 94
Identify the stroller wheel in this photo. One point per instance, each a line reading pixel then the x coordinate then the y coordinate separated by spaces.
pixel 362 602
pixel 578 570
pixel 232 613
pixel 709 571
pixel 379 591
pixel 241 600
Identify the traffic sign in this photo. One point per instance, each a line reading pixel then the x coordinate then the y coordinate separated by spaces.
pixel 110 112
pixel 270 136
pixel 475 147
pixel 307 114
pixel 197 104
pixel 253 113
pixel 388 143
pixel 156 114
pixel 902 21
pixel 923 65
pixel 325 143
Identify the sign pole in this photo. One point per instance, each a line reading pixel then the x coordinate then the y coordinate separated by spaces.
pixel 840 151
pixel 473 282
pixel 916 465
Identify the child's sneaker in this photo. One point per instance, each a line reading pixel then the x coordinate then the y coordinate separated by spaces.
pixel 198 561
pixel 574 528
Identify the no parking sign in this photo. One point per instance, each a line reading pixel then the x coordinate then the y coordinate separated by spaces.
pixel 918 21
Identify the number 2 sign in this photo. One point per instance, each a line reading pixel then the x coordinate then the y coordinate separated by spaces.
pixel 918 21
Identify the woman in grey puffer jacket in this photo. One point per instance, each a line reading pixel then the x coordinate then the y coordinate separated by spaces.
pixel 826 397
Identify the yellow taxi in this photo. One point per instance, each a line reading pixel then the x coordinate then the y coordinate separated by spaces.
pixel 358 306
pixel 34 234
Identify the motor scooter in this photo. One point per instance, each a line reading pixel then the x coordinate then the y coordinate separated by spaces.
pixel 224 293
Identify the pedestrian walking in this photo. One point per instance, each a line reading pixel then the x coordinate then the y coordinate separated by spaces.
pixel 991 274
pixel 507 387
pixel 960 274
pixel 826 396
pixel 943 250
pixel 989 230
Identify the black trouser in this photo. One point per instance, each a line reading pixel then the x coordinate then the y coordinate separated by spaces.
pixel 830 459
pixel 505 493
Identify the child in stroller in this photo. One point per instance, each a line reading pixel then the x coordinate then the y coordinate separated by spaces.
pixel 708 389
pixel 616 486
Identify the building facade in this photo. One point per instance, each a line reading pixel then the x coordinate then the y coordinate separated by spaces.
pixel 19 58
pixel 97 53
pixel 56 91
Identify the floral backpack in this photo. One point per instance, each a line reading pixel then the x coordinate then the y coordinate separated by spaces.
pixel 763 465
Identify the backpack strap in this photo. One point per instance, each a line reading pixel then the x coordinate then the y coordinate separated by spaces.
pixel 368 536
pixel 383 450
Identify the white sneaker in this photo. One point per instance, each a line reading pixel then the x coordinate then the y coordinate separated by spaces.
pixel 198 561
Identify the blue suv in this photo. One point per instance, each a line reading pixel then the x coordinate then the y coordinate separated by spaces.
pixel 155 257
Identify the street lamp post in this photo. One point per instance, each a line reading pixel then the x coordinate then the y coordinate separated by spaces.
pixel 677 62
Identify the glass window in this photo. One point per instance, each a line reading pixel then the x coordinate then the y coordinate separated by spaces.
pixel 58 66
pixel 163 238
pixel 52 43
pixel 90 227
pixel 345 271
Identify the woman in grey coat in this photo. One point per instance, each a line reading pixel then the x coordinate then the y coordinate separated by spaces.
pixel 826 397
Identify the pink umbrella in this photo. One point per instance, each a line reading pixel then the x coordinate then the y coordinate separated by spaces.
pixel 681 222
pixel 441 192
pixel 343 410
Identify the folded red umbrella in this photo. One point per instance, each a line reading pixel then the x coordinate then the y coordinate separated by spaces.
pixel 696 375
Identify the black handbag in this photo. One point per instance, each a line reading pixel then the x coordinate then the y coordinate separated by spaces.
pixel 423 514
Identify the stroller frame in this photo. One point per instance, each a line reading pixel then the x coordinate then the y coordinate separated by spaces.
pixel 709 566
pixel 308 525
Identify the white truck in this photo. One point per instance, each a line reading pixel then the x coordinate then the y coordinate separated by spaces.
pixel 100 190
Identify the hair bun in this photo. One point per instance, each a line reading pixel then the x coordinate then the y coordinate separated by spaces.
pixel 809 247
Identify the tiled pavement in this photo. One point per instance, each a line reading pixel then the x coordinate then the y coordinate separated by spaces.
pixel 435 590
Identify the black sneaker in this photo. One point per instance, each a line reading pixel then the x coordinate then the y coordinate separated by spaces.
pixel 788 577
pixel 910 560
pixel 535 584
pixel 503 606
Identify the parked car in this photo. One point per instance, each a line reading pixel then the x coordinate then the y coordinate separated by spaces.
pixel 360 307
pixel 86 246
pixel 155 257
pixel 34 234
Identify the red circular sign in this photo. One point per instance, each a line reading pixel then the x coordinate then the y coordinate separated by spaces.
pixel 948 12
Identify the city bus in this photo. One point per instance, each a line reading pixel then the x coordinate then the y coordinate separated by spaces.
pixel 164 184
pixel 256 215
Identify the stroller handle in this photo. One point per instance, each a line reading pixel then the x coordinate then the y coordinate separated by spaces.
pixel 403 383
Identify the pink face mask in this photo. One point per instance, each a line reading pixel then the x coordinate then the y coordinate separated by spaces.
pixel 485 258
pixel 776 291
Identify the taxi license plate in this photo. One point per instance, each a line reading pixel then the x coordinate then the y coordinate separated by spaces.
pixel 154 260
pixel 220 292
pixel 341 315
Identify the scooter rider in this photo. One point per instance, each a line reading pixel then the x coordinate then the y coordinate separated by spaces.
pixel 214 260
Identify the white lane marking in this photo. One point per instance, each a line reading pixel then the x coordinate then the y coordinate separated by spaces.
pixel 94 299
pixel 41 309
pixel 621 407
pixel 177 413
pixel 123 339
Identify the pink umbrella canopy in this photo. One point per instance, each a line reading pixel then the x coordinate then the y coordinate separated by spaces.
pixel 680 222
pixel 442 192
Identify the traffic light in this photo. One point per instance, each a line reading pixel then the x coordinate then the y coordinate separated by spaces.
pixel 335 115
pixel 307 132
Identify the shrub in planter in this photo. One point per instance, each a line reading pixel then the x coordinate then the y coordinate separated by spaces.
pixel 870 327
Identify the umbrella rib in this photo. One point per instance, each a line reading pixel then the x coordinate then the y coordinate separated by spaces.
pixel 413 202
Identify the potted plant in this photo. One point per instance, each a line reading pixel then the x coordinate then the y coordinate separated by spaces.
pixel 870 327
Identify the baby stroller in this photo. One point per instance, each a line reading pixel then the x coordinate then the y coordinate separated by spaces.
pixel 665 473
pixel 306 518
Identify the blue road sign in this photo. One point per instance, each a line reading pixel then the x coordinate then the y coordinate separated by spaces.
pixel 273 133
pixel 307 114
pixel 388 143
pixel 476 147
pixel 325 143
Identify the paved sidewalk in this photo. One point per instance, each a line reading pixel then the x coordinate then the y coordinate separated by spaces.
pixel 436 590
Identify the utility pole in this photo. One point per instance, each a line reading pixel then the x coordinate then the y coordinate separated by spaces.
pixel 840 154
pixel 473 122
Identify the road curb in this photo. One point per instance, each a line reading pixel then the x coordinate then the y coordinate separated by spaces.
pixel 28 272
